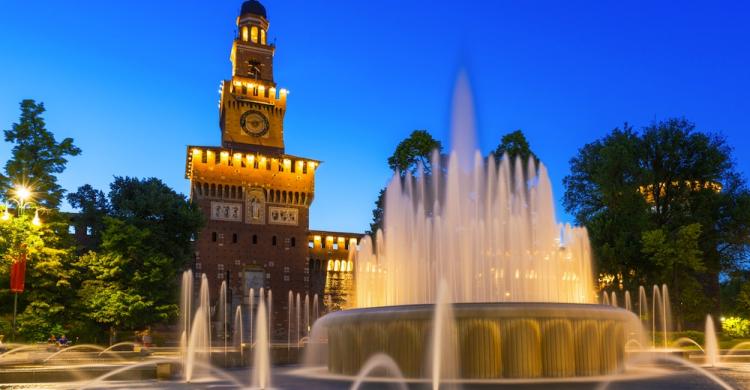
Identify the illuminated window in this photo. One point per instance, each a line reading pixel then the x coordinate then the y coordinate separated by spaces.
pixel 254 34
pixel 263 36
pixel 335 246
pixel 311 244
pixel 330 265
pixel 244 33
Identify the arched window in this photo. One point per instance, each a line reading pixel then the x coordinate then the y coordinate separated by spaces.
pixel 254 34
pixel 263 36
pixel 330 265
pixel 244 33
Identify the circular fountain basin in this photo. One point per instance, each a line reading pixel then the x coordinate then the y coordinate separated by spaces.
pixel 491 340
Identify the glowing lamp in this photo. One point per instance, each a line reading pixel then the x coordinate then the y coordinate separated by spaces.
pixel 23 193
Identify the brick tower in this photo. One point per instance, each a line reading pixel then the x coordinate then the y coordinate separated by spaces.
pixel 255 197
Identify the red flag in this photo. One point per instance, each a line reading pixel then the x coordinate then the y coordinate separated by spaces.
pixel 18 274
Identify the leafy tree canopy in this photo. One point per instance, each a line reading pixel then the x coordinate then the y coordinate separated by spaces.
pixel 414 151
pixel 514 145
pixel 664 189
pixel 37 158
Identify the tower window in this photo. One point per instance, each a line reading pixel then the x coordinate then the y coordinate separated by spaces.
pixel 273 240
pixel 255 238
pixel 263 36
pixel 244 33
pixel 254 34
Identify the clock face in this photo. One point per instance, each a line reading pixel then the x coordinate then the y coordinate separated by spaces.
pixel 253 123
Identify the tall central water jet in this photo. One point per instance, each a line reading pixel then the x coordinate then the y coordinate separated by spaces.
pixel 522 282
pixel 488 228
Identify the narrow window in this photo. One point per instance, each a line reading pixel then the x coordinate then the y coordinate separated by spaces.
pixel 244 33
pixel 304 168
pixel 263 36
pixel 213 236
pixel 268 165
pixel 255 238
pixel 294 164
pixel 294 241
pixel 311 244
pixel 255 163
pixel 254 34
pixel 234 238
pixel 273 240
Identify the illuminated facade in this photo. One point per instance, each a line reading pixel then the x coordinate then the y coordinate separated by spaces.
pixel 255 196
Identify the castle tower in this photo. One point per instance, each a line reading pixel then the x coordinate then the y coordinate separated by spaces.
pixel 251 112
pixel 254 196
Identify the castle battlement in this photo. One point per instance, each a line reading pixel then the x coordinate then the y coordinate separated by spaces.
pixel 256 91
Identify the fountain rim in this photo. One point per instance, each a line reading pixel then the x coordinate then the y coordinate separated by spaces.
pixel 486 310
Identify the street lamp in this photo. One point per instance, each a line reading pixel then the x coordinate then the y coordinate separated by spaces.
pixel 22 198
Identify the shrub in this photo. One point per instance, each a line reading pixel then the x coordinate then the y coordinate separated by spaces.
pixel 736 327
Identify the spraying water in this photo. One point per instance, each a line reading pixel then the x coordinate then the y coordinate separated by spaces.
pixel 252 310
pixel 712 345
pixel 237 337
pixel 262 370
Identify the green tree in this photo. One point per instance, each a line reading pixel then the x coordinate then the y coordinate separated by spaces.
pixel 93 206
pixel 679 258
pixel 131 281
pixel 513 145
pixel 37 158
pixel 413 152
pixel 48 301
pixel 664 177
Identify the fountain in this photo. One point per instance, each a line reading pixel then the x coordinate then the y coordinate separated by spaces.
pixel 712 345
pixel 525 304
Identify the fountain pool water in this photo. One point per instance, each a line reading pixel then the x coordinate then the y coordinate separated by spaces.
pixel 522 282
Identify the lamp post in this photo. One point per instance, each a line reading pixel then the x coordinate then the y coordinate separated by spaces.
pixel 18 267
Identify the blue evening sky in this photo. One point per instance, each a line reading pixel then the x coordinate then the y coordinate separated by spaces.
pixel 134 82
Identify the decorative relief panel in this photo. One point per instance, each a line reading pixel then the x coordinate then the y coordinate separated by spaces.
pixel 255 206
pixel 225 211
pixel 283 215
